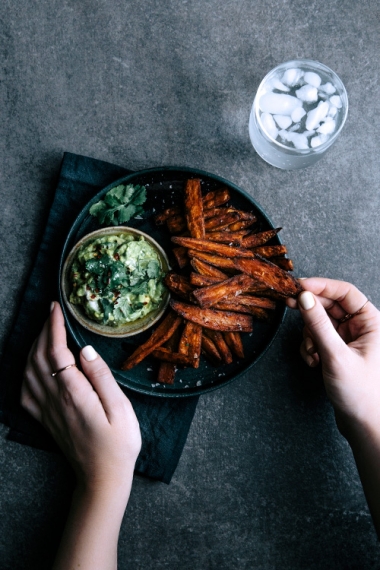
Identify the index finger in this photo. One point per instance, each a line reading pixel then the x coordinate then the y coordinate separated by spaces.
pixel 59 355
pixel 329 290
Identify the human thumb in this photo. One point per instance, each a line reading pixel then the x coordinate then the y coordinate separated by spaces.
pixel 328 341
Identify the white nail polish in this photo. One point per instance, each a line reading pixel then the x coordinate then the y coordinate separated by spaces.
pixel 306 300
pixel 52 306
pixel 89 353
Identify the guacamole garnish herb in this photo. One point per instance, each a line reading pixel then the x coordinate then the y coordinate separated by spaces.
pixel 117 279
pixel 120 204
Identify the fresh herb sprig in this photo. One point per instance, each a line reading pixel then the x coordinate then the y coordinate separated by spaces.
pixel 120 204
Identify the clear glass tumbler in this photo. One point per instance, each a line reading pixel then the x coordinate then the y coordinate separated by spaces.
pixel 298 112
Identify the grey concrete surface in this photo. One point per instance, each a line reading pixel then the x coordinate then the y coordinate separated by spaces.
pixel 265 480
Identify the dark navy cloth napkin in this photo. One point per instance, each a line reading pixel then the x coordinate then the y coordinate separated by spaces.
pixel 164 422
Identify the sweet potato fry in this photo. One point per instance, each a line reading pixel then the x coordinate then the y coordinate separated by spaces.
pixel 210 351
pixel 269 251
pixel 233 340
pixel 231 238
pixel 283 262
pixel 220 222
pixel 214 247
pixel 252 301
pixel 213 319
pixel 167 355
pixel 221 345
pixel 160 219
pixel 176 224
pixel 162 333
pixel 167 370
pixel 194 208
pixel 208 296
pixel 215 260
pixel 260 238
pixel 206 269
pixel 190 342
pixel 215 198
pixel 270 275
pixel 240 225
pixel 198 280
pixel 234 306
pixel 178 284
pixel 181 257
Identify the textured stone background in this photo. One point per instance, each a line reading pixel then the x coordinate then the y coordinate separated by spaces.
pixel 265 480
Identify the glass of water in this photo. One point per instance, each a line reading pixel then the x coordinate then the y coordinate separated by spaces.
pixel 298 112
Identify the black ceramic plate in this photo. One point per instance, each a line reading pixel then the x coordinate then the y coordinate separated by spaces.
pixel 164 189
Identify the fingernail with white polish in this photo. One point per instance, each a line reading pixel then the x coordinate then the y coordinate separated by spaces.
pixel 306 300
pixel 52 306
pixel 89 353
pixel 309 346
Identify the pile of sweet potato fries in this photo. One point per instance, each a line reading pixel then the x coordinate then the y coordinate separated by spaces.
pixel 228 276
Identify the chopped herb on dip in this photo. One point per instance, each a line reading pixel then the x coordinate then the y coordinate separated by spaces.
pixel 117 279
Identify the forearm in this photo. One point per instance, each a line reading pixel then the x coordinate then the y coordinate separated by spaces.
pixel 364 440
pixel 91 533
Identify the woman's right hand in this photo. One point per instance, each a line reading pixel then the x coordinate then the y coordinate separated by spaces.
pixel 349 351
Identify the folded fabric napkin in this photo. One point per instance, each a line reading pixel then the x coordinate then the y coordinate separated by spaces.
pixel 164 422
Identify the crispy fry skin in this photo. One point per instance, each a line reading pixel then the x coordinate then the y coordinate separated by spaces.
pixel 208 296
pixel 178 284
pixel 214 247
pixel 167 355
pixel 167 370
pixel 221 345
pixel 283 262
pixel 220 222
pixel 231 238
pixel 269 251
pixel 190 342
pixel 206 269
pixel 255 240
pixel 215 198
pixel 236 307
pixel 212 319
pixel 162 333
pixel 181 257
pixel 194 208
pixel 210 351
pixel 216 260
pixel 160 219
pixel 270 275
pixel 233 340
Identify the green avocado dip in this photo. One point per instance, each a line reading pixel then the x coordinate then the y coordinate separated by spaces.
pixel 117 279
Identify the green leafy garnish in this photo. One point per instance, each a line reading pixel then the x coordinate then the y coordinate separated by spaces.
pixel 120 204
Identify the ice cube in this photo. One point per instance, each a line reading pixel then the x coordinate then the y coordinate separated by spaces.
pixel 278 103
pixel 297 114
pixel 312 78
pixel 292 76
pixel 283 121
pixel 336 101
pixel 275 83
pixel 299 141
pixel 307 93
pixel 332 111
pixel 327 88
pixel 285 135
pixel 315 116
pixel 327 128
pixel 317 141
pixel 269 125
pixel 308 133
pixel 295 127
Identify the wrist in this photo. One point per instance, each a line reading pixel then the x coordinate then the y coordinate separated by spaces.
pixel 105 491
